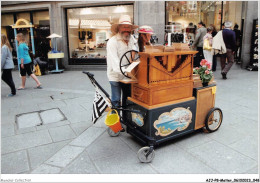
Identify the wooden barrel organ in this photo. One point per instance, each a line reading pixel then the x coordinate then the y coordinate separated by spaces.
pixel 163 77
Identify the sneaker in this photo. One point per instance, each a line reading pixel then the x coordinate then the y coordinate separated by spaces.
pixel 224 75
pixel 10 95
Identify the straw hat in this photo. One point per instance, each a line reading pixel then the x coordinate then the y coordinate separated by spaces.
pixel 124 19
pixel 145 29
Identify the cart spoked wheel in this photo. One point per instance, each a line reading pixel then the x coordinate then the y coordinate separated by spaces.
pixel 111 133
pixel 214 119
pixel 146 154
pixel 127 59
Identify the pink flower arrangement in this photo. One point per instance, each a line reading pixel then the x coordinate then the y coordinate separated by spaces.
pixel 203 62
pixel 204 71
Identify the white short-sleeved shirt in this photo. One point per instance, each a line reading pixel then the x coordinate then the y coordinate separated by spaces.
pixel 116 48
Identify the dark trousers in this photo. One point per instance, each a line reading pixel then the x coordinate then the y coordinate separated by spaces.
pixel 8 79
pixel 214 64
pixel 199 57
pixel 229 56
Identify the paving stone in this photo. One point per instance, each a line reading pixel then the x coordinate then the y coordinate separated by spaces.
pixel 51 105
pixel 247 146
pixel 172 159
pixel 226 134
pixel 52 116
pixel 79 116
pixel 130 141
pixel 123 163
pixel 46 169
pixel 73 108
pixel 106 146
pixel 7 119
pixel 63 157
pixel 222 158
pixel 80 127
pixel 192 140
pixel 53 125
pixel 62 133
pixel 79 100
pixel 253 171
pixel 24 141
pixel 40 154
pixel 25 130
pixel 28 120
pixel 14 163
pixel 7 130
pixel 88 106
pixel 87 137
pixel 81 165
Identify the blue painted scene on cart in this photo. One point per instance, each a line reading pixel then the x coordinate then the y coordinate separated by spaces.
pixel 177 119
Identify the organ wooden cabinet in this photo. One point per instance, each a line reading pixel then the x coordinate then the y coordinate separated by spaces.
pixel 163 77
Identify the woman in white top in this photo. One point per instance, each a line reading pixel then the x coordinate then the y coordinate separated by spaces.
pixel 207 50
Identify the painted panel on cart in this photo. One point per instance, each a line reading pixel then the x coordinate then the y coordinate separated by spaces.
pixel 173 120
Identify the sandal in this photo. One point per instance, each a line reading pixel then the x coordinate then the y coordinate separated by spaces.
pixel 20 88
pixel 38 87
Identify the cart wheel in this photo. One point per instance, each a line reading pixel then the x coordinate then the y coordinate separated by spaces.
pixel 214 119
pixel 146 154
pixel 111 133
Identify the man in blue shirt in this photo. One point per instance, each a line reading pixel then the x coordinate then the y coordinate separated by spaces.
pixel 229 38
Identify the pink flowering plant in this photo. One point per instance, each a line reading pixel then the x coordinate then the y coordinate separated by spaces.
pixel 204 71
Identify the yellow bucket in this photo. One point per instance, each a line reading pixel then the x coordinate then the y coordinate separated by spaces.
pixel 113 121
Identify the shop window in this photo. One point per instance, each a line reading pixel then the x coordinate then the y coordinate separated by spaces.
pixel 24 15
pixel 6 21
pixel 89 31
pixel 41 22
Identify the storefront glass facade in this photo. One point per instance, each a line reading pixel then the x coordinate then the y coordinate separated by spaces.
pixel 210 12
pixel 41 22
pixel 89 30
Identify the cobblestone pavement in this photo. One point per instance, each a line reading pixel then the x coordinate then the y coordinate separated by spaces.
pixel 49 131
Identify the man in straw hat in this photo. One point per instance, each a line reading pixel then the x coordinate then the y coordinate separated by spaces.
pixel 121 42
pixel 229 38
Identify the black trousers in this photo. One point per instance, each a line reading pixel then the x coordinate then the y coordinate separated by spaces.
pixel 199 57
pixel 8 79
pixel 214 64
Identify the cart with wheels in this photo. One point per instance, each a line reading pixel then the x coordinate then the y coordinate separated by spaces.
pixel 164 105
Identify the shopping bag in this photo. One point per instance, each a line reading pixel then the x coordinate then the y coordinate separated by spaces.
pixel 37 70
pixel 206 45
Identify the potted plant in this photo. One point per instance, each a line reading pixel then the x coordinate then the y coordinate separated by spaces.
pixel 204 72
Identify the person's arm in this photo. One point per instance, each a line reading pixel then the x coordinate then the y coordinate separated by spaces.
pixel 112 57
pixel 21 54
pixel 3 56
pixel 196 38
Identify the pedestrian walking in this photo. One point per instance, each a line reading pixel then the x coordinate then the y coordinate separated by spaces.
pixel 7 64
pixel 229 38
pixel 198 43
pixel 144 37
pixel 207 46
pixel 121 42
pixel 25 62
pixel 238 42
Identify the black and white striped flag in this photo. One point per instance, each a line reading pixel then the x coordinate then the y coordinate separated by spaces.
pixel 99 106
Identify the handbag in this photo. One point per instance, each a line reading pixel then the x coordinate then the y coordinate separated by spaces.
pixel 206 45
